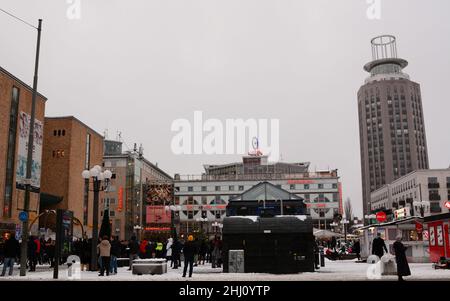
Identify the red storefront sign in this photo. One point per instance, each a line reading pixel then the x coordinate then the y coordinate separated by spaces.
pixel 158 215
pixel 419 227
pixel 447 205
pixel 120 204
pixel 381 216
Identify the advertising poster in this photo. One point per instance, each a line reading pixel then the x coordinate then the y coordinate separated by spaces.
pixel 24 129
pixel 158 215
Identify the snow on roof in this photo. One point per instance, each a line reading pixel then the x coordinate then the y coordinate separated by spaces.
pixel 300 217
pixel 253 218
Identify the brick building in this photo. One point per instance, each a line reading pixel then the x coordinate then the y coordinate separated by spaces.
pixel 70 146
pixel 15 104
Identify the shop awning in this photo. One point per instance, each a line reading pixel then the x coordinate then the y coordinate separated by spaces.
pixel 396 222
pixel 437 217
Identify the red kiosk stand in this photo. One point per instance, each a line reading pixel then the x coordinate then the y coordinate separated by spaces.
pixel 438 236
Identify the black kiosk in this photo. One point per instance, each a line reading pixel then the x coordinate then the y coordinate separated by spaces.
pixel 272 243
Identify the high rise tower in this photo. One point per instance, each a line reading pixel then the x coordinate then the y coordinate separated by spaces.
pixel 391 124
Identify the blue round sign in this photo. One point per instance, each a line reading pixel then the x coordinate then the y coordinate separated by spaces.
pixel 23 216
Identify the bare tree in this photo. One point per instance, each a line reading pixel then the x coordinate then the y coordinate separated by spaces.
pixel 348 210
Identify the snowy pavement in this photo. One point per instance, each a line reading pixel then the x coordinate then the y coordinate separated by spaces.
pixel 333 271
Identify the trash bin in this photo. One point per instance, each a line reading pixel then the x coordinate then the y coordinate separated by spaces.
pixel 236 261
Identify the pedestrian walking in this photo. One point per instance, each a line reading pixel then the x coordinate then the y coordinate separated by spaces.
pixel 104 250
pixel 32 260
pixel 159 249
pixel 189 250
pixel 11 250
pixel 176 250
pixel 378 246
pixel 400 258
pixel 133 249
pixel 115 253
pixel 202 251
pixel 217 253
pixel 169 250
pixel 356 249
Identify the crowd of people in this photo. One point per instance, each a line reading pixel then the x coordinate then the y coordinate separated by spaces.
pixel 192 251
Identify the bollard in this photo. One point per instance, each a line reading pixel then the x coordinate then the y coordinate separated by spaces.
pixel 322 257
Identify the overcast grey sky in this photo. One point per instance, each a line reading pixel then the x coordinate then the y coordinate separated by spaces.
pixel 137 65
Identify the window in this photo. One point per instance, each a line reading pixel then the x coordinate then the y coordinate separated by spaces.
pixel 112 213
pixel 204 200
pixel 231 188
pixel 241 188
pixel 87 162
pixel 335 186
pixel 203 188
pixel 190 188
pixel 320 186
pixel 85 202
pixel 292 187
pixel 335 197
pixel 11 153
pixel 217 188
pixel 306 186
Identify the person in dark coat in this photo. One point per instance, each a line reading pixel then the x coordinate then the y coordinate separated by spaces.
pixel 176 250
pixel 400 258
pixel 202 251
pixel 189 251
pixel 115 253
pixel 333 243
pixel 356 249
pixel 11 250
pixel 85 254
pixel 32 248
pixel 133 247
pixel 378 246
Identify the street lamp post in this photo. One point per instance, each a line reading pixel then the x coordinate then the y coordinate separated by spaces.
pixel 26 206
pixel 97 177
pixel 172 210
pixel 345 222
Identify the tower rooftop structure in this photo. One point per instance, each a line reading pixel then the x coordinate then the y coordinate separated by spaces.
pixel 385 62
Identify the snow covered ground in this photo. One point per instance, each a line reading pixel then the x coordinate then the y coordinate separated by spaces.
pixel 333 271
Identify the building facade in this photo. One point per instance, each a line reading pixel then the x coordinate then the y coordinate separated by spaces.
pixel 391 123
pixel 431 188
pixel 15 110
pixel 70 146
pixel 127 198
pixel 205 197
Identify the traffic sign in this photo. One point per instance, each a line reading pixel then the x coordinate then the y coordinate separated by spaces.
pixel 381 216
pixel 23 216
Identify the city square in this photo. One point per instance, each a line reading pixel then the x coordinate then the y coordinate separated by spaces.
pixel 224 141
